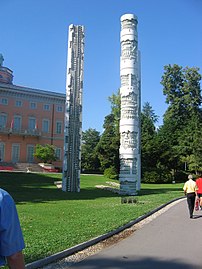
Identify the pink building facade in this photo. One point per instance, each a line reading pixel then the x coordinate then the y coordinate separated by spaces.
pixel 29 117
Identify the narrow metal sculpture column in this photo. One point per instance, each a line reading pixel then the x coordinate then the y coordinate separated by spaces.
pixel 73 110
pixel 130 107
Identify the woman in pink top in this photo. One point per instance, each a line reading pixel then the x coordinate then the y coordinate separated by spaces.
pixel 199 191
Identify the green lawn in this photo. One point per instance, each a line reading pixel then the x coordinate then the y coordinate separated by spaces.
pixel 53 220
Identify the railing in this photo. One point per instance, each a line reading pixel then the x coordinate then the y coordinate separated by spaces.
pixel 21 132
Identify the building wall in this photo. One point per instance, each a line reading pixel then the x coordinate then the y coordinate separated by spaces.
pixel 29 117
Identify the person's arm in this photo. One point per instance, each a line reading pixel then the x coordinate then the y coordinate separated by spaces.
pixel 196 189
pixel 16 261
pixel 185 189
pixel 12 242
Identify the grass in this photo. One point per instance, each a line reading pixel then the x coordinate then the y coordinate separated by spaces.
pixel 53 220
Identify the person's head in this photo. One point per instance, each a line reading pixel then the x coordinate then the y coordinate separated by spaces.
pixel 190 177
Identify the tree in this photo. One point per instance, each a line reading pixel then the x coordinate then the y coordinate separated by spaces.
pixel 108 146
pixel 149 113
pixel 168 135
pixel 115 101
pixel 181 86
pixel 190 144
pixel 89 157
pixel 45 153
pixel 148 136
pixel 152 169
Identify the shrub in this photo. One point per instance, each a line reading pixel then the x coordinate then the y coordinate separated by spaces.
pixel 150 177
pixel 45 153
pixel 157 177
pixel 111 173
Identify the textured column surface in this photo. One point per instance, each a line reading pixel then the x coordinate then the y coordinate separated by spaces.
pixel 130 107
pixel 73 110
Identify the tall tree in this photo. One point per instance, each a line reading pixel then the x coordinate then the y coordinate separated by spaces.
pixel 148 112
pixel 181 86
pixel 108 146
pixel 89 157
pixel 115 101
pixel 149 150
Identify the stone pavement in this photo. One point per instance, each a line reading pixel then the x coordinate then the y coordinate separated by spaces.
pixel 170 241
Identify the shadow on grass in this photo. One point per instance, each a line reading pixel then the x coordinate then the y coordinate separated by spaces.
pixel 148 191
pixel 39 188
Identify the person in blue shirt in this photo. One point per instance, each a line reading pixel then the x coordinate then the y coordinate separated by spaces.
pixel 11 237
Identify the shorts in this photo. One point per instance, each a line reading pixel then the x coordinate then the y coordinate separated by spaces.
pixel 199 195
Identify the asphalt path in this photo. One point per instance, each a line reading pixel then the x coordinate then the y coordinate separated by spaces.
pixel 170 241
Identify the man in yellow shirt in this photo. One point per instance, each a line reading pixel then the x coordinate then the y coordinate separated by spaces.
pixel 190 190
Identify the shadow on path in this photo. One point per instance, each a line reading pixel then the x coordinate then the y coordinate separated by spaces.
pixel 127 263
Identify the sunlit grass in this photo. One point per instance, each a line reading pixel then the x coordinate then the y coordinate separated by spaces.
pixel 53 220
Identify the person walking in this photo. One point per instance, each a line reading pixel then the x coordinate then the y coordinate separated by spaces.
pixel 199 191
pixel 11 238
pixel 190 190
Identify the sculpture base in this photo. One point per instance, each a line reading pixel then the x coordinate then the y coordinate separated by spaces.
pixel 128 188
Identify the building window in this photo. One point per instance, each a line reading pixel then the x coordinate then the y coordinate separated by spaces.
pixel 32 124
pixel 17 122
pixel 4 101
pixel 58 153
pixel 3 120
pixel 59 109
pixel 46 107
pixel 2 151
pixel 58 127
pixel 33 105
pixel 15 153
pixel 18 103
pixel 30 153
pixel 45 126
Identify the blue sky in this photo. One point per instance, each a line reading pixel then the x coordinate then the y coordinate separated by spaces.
pixel 33 41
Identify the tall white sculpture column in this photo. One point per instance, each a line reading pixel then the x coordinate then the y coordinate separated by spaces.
pixel 73 110
pixel 130 107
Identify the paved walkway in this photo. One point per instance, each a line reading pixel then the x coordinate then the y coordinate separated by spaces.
pixel 170 241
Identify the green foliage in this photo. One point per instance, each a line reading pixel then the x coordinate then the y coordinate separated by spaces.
pixel 111 173
pixel 182 91
pixel 108 146
pixel 180 134
pixel 149 147
pixel 164 151
pixel 115 101
pixel 158 176
pixel 90 162
pixel 151 177
pixel 168 136
pixel 149 113
pixel 45 153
